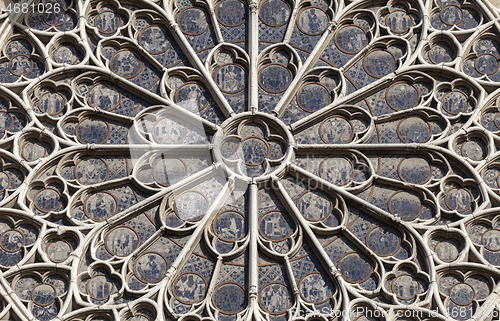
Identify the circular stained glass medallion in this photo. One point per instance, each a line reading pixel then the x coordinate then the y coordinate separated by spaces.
pixel 312 21
pixel 459 199
pixel 231 13
pixel 66 54
pixel 275 78
pixel 275 13
pixel 355 267
pixel 314 205
pixel 150 267
pixel 48 200
pixel 315 288
pixel 336 170
pixel 447 250
pixel 92 130
pixel 122 241
pixel 415 170
pixel 313 97
pixel 230 78
pixel 190 288
pixel 168 171
pixel 192 96
pixel 230 226
pixel 52 103
pixel 399 21
pixel 491 239
pixel 170 130
pixel 107 22
pixel 454 102
pixel 441 52
pixel 474 150
pixel 58 250
pixel 336 130
pixel 405 286
pixel 414 130
pixel 451 15
pixel 383 240
pixel 351 39
pixel 91 170
pixel 100 287
pixel 276 226
pixel 405 205
pixel 20 65
pixel 33 150
pixel 462 293
pixel 402 96
pixel 104 96
pixel 155 39
pixel 190 205
pixel 275 298
pixel 486 64
pixel 379 63
pixel 100 206
pixel 229 298
pixel 193 21
pixel 11 241
pixel 43 294
pixel 126 63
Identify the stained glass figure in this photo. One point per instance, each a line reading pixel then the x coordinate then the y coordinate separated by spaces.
pixel 48 200
pixel 315 288
pixel 231 13
pixel 107 22
pixel 312 21
pixel 190 288
pixel 122 241
pixel 313 97
pixel 150 267
pixel 351 39
pixel 355 268
pixel 405 286
pixel 190 205
pixel 229 298
pixel 275 78
pixel 399 21
pixel 154 39
pixel 275 298
pixel 100 206
pixel 275 13
pixel 193 21
pixel 379 63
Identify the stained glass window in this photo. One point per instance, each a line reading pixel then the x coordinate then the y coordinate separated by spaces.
pixel 249 160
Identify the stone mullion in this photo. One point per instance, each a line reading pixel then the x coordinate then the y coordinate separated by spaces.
pixel 253 252
pixel 254 56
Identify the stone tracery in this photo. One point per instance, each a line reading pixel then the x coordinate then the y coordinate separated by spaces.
pixel 230 160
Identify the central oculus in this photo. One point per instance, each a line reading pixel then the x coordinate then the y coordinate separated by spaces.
pixel 252 145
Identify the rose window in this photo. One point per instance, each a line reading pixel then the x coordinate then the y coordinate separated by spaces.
pixel 237 160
